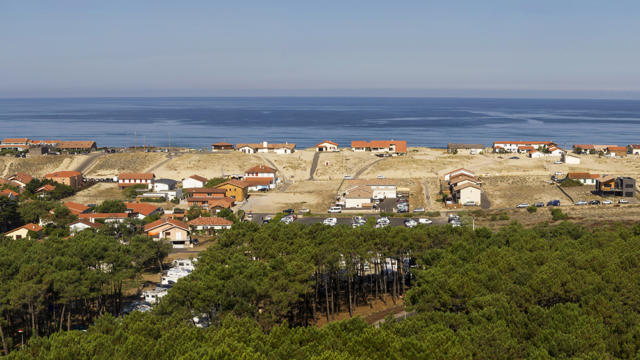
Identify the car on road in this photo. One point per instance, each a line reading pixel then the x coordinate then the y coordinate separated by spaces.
pixel 553 203
pixel 304 211
pixel 266 219
pixel 514 158
pixel 557 162
pixel 539 204
pixel 348 177
pixel 469 203
pixel 330 221
pixel 380 176
pixel 607 202
pixel 410 223
pixel 288 219
pixel 383 220
pixel 359 220
pixel 594 202
pixel 522 205
pixel 288 211
pixel 580 202
pixel 623 201
pixel 425 221
pixel 335 209
pixel 418 210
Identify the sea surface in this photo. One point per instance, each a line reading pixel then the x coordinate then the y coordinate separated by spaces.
pixel 198 122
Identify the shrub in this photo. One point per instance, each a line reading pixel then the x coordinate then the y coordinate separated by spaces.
pixel 385 214
pixel 557 214
pixel 494 217
pixel 432 213
pixel 503 217
pixel 570 183
pixel 531 209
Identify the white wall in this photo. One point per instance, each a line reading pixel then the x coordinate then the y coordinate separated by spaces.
pixel 190 183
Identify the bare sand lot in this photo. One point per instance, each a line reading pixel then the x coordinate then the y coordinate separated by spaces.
pixel 97 194
pixel 39 165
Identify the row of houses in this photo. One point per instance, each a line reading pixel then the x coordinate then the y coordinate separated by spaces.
pixel 20 180
pixel 25 144
pixel 549 148
pixel 462 187
pixel 611 150
pixel 606 185
pixel 391 146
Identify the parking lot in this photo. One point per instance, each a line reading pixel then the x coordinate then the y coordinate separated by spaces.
pixel 395 221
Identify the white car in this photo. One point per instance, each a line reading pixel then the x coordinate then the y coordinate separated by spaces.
pixel 383 220
pixel 523 205
pixel 359 220
pixel 330 221
pixel 623 201
pixel 348 177
pixel 410 223
pixel 580 202
pixel 335 209
pixel 557 162
pixel 607 202
pixel 418 210
pixel 355 225
pixel 425 221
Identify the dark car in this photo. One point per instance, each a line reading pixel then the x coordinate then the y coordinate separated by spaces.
pixel 514 158
pixel 594 202
pixel 288 211
pixel 553 203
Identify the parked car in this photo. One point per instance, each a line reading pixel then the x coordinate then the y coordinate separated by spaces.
pixel 266 219
pixel 557 162
pixel 418 210
pixel 623 201
pixel 348 177
pixel 410 223
pixel 580 202
pixel 522 205
pixel 469 203
pixel 335 209
pixel 288 211
pixel 594 202
pixel 304 211
pixel 538 204
pixel 514 158
pixel 607 202
pixel 380 176
pixel 553 203
pixel 383 220
pixel 359 220
pixel 425 221
pixel 330 221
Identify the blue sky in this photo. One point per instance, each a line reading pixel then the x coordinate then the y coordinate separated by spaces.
pixel 466 47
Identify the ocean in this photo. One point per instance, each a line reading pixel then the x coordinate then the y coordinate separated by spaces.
pixel 199 121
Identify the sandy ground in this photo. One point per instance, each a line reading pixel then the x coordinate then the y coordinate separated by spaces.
pixel 97 194
pixel 506 182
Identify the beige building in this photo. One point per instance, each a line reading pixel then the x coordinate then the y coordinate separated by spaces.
pixel 69 178
pixel 174 231
pixel 468 194
pixel 23 232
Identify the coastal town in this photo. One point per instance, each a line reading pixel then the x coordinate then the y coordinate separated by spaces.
pixel 187 197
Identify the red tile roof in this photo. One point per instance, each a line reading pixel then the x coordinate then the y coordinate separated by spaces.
pixel 136 176
pixel 224 202
pixel 145 209
pixel 582 175
pixel 211 221
pixel 76 208
pixel 233 182
pixel 253 181
pixel 617 148
pixel 460 169
pixel 160 222
pixel 47 188
pixel 21 177
pixel 524 142
pixel 205 191
pixel 7 192
pixel 62 174
pixel 30 227
pixel 15 141
pixel 199 178
pixel 103 216
pixel 221 144
pixel 260 169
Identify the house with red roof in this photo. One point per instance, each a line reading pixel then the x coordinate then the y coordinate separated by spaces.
pixel 20 179
pixel 584 177
pixel 22 232
pixel 261 177
pixel 210 223
pixel 389 146
pixel 219 146
pixel 326 146
pixel 131 179
pixel 9 193
pixel 265 147
pixel 69 178
pixel 617 151
pixel 142 210
pixel 105 217
pixel 176 232
pixel 44 190
pixel 194 181
pixel 76 208
pixel 83 224
pixel 512 146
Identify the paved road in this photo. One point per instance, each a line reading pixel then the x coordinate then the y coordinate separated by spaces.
pixel 363 169
pixel 314 164
pixel 88 161
pixel 395 221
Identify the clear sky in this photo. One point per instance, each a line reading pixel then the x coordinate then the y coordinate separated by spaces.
pixel 237 47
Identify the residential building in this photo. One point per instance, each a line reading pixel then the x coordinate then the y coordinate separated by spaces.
pixel 535 154
pixel 470 149
pixel 44 190
pixel 260 184
pixel 618 186
pixel 221 146
pixel 77 146
pixel 390 146
pixel 358 198
pixel 512 146
pixel 206 192
pixel 217 204
pixel 570 159
pixel 265 147
pixel 235 189
pixel 584 177
pixel 9 193
pixel 635 149
pixel 326 146
pixel 20 144
pixel 210 223
pixel 105 217
pixel 584 148
pixel 462 179
pixel 468 193
pixel 83 224
pixel 164 184
pixel 142 210
pixel 462 186
pixel 131 179
pixel 20 179
pixel 194 181
pixel 455 172
pixel 22 232
pixel 618 151
pixel 554 150
pixel 259 176
pixel 76 208
pixel 174 231
pixel 69 178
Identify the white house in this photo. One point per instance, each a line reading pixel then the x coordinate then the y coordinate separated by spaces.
pixel 164 184
pixel 210 223
pixel 512 146
pixel 154 296
pixel 471 149
pixel 131 179
pixel 82 224
pixel 555 151
pixel 468 193
pixel 535 154
pixel 194 181
pixel 106 217
pixel 635 149
pixel 260 177
pixel 584 177
pixel 327 146
pixel 265 147
pixel 358 198
pixel 383 190
pixel 570 159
